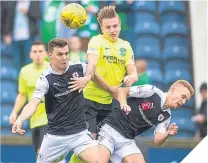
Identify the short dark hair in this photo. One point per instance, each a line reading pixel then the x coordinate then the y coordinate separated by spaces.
pixel 203 86
pixel 38 42
pixel 56 42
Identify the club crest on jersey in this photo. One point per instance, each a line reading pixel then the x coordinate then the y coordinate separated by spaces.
pixel 75 75
pixel 160 117
pixel 122 52
pixel 146 106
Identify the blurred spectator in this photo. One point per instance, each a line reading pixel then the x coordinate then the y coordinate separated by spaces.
pixel 91 27
pixel 143 78
pixel 201 117
pixel 51 17
pixel 75 53
pixel 20 27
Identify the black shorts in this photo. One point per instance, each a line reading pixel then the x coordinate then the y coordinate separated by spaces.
pixel 37 136
pixel 95 112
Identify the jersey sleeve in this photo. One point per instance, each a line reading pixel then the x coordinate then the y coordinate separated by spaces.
pixel 142 91
pixel 94 46
pixel 22 87
pixel 162 127
pixel 84 66
pixel 42 87
pixel 129 58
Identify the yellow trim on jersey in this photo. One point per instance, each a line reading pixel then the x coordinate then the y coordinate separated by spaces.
pixel 112 62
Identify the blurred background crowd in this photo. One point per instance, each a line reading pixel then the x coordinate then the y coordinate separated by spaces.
pixel 161 34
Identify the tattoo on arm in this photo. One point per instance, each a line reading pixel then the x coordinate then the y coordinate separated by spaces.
pixel 90 70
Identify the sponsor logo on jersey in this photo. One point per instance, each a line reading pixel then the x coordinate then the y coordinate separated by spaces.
pixel 146 106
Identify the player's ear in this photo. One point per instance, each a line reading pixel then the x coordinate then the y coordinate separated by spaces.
pixel 30 55
pixel 50 55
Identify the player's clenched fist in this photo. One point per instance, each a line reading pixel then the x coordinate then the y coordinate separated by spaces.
pixel 17 127
pixel 172 129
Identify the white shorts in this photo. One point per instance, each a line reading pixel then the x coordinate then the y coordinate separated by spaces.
pixel 54 148
pixel 119 146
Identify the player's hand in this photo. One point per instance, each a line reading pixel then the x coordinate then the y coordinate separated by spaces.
pixel 199 118
pixel 128 80
pixel 125 108
pixel 173 129
pixel 78 83
pixel 7 39
pixel 12 118
pixel 17 127
pixel 24 10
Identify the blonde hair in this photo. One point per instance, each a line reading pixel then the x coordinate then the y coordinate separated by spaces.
pixel 106 12
pixel 185 84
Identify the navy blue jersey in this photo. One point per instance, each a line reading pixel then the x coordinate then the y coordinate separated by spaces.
pixel 147 110
pixel 64 109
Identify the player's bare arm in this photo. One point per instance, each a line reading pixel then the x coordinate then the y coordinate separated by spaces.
pixel 132 76
pixel 19 103
pixel 160 138
pixel 27 112
pixel 100 82
pixel 91 66
pixel 122 96
pixel 80 83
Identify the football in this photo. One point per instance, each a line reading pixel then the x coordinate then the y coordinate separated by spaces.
pixel 73 16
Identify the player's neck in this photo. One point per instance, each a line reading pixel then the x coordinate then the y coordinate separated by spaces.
pixel 166 105
pixel 109 39
pixel 38 66
pixel 60 71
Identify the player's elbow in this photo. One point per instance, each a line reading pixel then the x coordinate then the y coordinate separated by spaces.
pixel 158 142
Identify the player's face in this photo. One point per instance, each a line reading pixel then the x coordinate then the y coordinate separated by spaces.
pixel 59 58
pixel 38 54
pixel 178 96
pixel 111 28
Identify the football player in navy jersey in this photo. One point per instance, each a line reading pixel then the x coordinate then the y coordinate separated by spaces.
pixel 146 106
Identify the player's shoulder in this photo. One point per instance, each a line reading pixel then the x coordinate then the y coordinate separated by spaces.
pixel 46 72
pixel 27 67
pixel 124 42
pixel 96 38
pixel 158 91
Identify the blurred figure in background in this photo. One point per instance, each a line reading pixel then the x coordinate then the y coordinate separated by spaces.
pixel 201 117
pixel 143 78
pixel 75 53
pixel 28 76
pixel 21 27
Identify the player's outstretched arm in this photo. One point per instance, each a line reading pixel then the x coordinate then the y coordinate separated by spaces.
pixel 27 112
pixel 19 103
pixel 160 138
